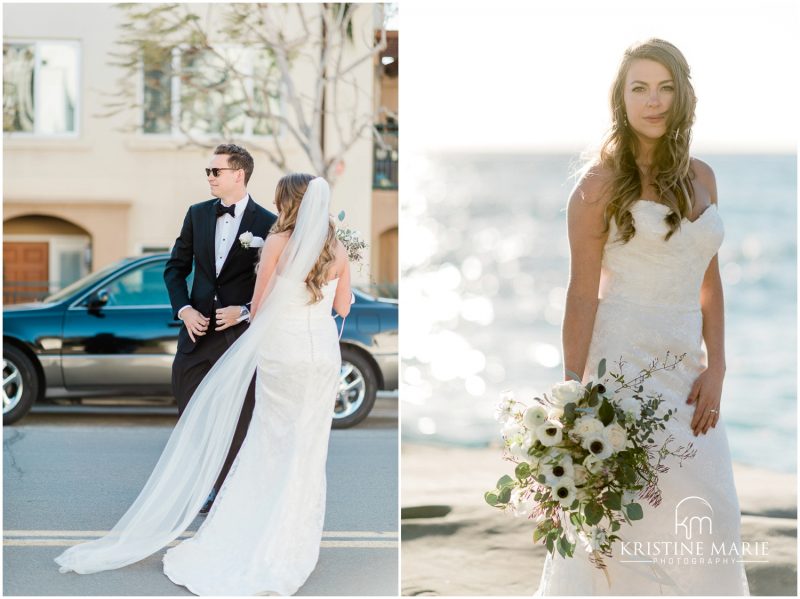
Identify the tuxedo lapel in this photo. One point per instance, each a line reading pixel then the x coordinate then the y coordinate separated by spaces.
pixel 246 224
pixel 211 235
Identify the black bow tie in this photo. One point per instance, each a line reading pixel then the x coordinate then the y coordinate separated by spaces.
pixel 225 210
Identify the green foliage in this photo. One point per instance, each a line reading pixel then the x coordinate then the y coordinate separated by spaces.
pixel 612 501
pixel 634 511
pixel 606 412
pixel 593 513
pixel 635 468
pixel 522 471
pixel 505 481
pixel 505 495
pixel 569 412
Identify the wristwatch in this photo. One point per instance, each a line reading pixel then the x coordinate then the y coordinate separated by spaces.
pixel 244 314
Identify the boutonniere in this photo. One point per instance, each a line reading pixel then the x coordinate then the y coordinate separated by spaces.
pixel 248 240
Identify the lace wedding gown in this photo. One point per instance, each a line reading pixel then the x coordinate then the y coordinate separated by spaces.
pixel 649 304
pixel 263 532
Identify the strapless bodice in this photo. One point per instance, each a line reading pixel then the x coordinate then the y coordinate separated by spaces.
pixel 652 271
pixel 298 297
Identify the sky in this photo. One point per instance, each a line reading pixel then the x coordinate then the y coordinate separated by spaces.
pixel 534 76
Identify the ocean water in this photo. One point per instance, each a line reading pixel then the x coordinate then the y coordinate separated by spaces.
pixel 484 259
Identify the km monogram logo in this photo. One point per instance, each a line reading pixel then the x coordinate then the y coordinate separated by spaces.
pixel 692 514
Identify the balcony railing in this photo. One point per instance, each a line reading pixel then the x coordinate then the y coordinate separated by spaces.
pixel 385 157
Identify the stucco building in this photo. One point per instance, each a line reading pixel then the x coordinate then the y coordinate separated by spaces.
pixel 79 192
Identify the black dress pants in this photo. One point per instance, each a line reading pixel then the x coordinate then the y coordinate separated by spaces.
pixel 189 369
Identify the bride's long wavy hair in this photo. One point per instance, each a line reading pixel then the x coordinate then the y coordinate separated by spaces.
pixel 671 161
pixel 288 195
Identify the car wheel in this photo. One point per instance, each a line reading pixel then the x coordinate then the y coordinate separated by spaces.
pixel 20 384
pixel 358 387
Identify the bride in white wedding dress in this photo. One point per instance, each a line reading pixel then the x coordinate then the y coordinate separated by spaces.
pixel 264 530
pixel 644 231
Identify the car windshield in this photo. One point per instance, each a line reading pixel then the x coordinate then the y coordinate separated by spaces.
pixel 86 281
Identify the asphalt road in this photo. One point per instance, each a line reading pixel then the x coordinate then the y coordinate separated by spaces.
pixel 70 476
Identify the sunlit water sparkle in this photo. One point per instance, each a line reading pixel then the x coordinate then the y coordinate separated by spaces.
pixel 485 259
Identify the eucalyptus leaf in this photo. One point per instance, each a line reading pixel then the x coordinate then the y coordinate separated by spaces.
pixel 606 413
pixel 613 501
pixel 601 368
pixel 560 547
pixel 505 495
pixel 593 513
pixel 523 470
pixel 505 481
pixel 572 375
pixel 341 216
pixel 549 544
pixel 634 511
pixel 491 498
pixel 569 411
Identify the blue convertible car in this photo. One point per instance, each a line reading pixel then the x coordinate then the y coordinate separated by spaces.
pixel 112 334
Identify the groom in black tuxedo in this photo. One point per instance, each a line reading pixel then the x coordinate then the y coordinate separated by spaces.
pixel 217 310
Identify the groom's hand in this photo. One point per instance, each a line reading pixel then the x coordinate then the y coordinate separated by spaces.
pixel 227 317
pixel 196 323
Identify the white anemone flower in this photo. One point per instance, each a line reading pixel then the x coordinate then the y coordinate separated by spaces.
pixel 564 491
pixel 556 466
pixel 535 416
pixel 550 433
pixel 598 445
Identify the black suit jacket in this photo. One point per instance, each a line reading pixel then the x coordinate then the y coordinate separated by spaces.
pixel 195 245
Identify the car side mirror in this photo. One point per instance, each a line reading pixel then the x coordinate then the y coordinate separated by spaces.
pixel 98 300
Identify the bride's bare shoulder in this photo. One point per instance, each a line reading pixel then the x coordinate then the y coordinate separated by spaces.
pixel 277 240
pixel 274 245
pixel 591 192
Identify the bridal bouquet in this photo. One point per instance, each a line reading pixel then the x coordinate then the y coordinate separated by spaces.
pixel 585 456
pixel 352 241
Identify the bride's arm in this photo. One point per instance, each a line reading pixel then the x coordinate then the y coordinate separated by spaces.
pixel 586 241
pixel 341 301
pixel 706 391
pixel 273 247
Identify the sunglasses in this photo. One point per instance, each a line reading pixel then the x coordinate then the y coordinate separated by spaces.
pixel 215 171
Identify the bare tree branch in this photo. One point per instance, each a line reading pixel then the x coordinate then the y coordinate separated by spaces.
pixel 222 89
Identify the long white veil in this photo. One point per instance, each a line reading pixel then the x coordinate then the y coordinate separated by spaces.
pixel 197 447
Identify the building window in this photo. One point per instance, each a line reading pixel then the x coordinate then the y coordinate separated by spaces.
pixel 232 90
pixel 157 105
pixel 385 161
pixel 40 87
